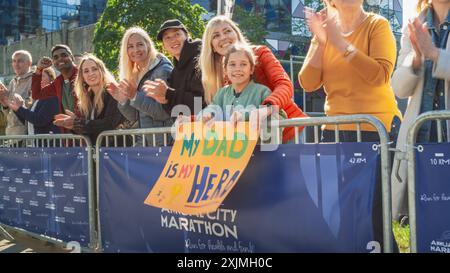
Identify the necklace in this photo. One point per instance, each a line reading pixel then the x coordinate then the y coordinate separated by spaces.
pixel 346 34
pixel 364 17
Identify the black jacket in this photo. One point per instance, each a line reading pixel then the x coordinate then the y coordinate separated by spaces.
pixel 109 119
pixel 186 79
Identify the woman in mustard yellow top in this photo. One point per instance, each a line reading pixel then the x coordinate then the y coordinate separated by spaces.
pixel 352 54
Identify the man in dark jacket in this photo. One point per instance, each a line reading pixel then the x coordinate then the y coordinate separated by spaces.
pixel 184 83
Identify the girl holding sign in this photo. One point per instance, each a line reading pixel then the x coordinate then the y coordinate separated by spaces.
pixel 235 101
pixel 220 34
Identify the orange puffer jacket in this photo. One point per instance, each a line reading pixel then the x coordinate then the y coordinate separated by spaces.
pixel 269 72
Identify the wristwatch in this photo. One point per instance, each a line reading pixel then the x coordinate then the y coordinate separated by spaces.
pixel 349 50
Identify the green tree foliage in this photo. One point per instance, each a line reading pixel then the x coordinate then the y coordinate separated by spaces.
pixel 252 25
pixel 314 4
pixel 148 14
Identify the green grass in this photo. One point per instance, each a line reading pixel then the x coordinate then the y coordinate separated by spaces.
pixel 401 235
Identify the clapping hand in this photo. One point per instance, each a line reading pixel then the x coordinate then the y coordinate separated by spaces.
pixel 422 42
pixel 128 88
pixel 16 102
pixel 113 89
pixel 156 89
pixel 316 22
pixel 65 120
pixel 3 90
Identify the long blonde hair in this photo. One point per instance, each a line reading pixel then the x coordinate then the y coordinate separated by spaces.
pixel 128 69
pixel 82 90
pixel 422 4
pixel 210 62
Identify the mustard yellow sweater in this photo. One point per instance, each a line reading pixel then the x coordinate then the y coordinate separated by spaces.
pixel 361 82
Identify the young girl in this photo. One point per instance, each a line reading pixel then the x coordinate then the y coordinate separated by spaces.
pixel 235 101
pixel 221 33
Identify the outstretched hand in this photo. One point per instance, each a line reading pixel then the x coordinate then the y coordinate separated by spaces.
pixel 421 40
pixel 65 120
pixel 113 89
pixel 316 22
pixel 128 88
pixel 3 90
pixel 16 102
pixel 156 89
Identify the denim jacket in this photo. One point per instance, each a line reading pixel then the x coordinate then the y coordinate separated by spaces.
pixel 145 110
pixel 433 96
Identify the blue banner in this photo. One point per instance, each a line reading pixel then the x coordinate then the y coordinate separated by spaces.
pixel 45 191
pixel 433 198
pixel 299 198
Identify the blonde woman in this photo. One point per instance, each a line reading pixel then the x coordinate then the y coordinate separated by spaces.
pixel 97 109
pixel 423 76
pixel 139 62
pixel 220 34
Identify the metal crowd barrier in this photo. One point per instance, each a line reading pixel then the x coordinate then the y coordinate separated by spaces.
pixel 438 116
pixel 58 141
pixel 308 133
pixel 384 149
pixel 110 139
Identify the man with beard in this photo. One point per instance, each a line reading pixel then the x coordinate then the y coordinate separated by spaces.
pixel 63 86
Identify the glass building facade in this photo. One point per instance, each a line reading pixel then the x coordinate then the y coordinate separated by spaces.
pixel 285 21
pixel 84 11
pixel 19 17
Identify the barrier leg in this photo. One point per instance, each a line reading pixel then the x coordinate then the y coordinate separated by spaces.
pixel 6 234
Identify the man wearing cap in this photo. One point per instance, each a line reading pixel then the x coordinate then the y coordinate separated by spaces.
pixel 184 83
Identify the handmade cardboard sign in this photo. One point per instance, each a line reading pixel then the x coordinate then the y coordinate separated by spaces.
pixel 204 165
